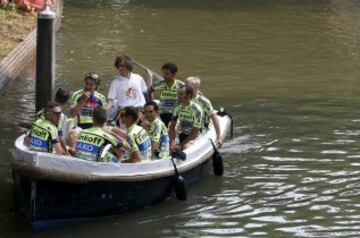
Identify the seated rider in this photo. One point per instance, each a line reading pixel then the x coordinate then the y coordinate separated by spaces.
pixel 157 131
pixel 43 135
pixel 138 138
pixel 206 106
pixel 189 115
pixel 61 98
pixel 92 143
pixel 166 91
pixel 85 100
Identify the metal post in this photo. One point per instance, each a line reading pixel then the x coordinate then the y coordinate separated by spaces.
pixel 45 58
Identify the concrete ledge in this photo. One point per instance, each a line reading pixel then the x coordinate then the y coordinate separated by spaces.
pixel 12 65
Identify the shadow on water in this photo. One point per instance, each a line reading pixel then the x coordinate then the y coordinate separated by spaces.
pixel 17 105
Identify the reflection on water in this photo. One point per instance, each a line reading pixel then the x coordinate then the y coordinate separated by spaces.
pixel 286 70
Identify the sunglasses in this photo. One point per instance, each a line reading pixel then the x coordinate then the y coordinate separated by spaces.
pixel 56 113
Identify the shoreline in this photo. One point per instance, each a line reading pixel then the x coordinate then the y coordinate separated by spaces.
pixel 15 26
pixel 24 51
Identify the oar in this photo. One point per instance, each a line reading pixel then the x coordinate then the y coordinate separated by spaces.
pixel 217 160
pixel 154 77
pixel 179 183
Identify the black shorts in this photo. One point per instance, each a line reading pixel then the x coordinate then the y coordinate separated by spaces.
pixel 166 118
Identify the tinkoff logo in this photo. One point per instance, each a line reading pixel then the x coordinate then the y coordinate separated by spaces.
pixel 39 133
pixel 92 139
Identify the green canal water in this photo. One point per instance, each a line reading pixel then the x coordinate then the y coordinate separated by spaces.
pixel 287 70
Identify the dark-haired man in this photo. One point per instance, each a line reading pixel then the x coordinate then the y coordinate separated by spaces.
pixel 166 91
pixel 43 135
pixel 92 143
pixel 157 132
pixel 61 98
pixel 189 115
pixel 85 100
pixel 138 138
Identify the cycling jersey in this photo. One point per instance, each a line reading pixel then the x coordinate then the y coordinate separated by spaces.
pixel 158 133
pixel 189 116
pixel 43 135
pixel 206 108
pixel 167 95
pixel 139 140
pixel 91 144
pixel 84 118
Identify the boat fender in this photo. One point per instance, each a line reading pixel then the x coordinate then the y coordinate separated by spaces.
pixel 179 186
pixel 217 161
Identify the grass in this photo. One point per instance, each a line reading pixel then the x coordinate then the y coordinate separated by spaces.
pixel 15 25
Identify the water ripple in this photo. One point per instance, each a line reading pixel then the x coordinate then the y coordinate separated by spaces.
pixel 333 152
pixel 292 168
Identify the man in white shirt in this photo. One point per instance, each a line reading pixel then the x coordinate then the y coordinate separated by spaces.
pixel 128 89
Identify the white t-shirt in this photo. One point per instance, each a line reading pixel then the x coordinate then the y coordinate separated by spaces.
pixel 128 91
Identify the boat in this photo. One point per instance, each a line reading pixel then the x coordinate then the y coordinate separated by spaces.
pixel 53 190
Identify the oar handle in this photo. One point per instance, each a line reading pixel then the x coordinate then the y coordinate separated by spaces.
pixel 214 146
pixel 175 168
pixel 155 76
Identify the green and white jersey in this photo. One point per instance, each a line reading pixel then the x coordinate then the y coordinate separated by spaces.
pixel 189 116
pixel 158 133
pixel 167 95
pixel 206 108
pixel 91 144
pixel 61 124
pixel 139 140
pixel 43 135
pixel 85 115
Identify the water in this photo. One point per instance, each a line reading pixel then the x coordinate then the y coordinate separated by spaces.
pixel 287 71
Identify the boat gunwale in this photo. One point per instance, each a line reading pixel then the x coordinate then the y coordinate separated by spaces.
pixel 37 168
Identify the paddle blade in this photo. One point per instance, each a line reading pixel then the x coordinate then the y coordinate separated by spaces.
pixel 218 164
pixel 180 188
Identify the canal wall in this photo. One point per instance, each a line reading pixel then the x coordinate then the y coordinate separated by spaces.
pixel 12 65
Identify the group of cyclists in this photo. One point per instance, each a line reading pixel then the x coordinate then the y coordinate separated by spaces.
pixel 141 129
